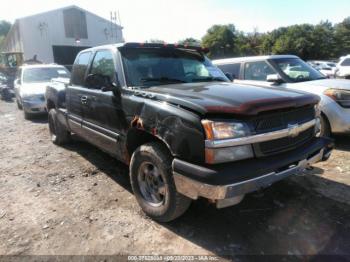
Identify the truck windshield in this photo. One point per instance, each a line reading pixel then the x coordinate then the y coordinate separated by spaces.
pixel 44 74
pixel 145 67
pixel 296 70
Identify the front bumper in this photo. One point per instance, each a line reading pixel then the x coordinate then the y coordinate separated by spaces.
pixel 237 179
pixel 35 106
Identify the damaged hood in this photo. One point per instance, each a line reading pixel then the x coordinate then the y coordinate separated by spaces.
pixel 29 89
pixel 221 97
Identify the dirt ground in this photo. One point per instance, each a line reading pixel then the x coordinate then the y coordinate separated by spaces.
pixel 78 200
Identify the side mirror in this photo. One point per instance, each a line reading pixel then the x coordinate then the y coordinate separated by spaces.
pixel 274 78
pixel 229 76
pixel 102 82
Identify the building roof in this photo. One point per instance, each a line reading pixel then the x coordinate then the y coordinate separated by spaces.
pixel 250 58
pixel 68 7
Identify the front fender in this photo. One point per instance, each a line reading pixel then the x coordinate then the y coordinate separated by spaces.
pixel 178 128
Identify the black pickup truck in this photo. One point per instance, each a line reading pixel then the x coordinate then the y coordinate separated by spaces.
pixel 185 130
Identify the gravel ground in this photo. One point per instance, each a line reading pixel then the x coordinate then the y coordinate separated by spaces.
pixel 78 200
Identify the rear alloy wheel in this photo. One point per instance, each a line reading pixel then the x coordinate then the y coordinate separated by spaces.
pixel 58 133
pixel 153 184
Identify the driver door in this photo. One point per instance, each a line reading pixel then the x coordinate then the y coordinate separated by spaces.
pixel 102 109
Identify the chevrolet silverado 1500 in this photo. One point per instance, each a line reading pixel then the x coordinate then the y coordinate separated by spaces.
pixel 183 128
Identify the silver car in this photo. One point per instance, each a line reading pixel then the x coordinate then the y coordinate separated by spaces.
pixel 288 71
pixel 30 86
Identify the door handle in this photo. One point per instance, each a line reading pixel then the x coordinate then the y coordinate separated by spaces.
pixel 84 100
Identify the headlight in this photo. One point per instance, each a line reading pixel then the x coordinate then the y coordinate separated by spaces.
pixel 342 97
pixel 224 130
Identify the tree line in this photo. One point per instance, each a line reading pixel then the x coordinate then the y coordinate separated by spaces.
pixel 320 41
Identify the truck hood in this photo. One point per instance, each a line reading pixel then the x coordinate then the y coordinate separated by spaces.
pixel 33 89
pixel 219 97
pixel 318 86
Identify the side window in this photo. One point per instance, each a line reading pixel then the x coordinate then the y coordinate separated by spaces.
pixel 233 69
pixel 103 64
pixel 79 68
pixel 346 62
pixel 257 71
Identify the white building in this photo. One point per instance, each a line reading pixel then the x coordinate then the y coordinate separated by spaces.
pixel 57 36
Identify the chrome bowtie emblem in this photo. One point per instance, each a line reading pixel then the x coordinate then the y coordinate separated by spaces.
pixel 293 130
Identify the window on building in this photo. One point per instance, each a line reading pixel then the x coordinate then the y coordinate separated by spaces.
pixel 257 71
pixel 79 68
pixel 75 23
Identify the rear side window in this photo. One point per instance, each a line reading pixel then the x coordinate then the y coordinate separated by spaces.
pixel 79 68
pixel 346 62
pixel 257 71
pixel 233 69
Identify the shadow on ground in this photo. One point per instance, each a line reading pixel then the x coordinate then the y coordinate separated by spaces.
pixel 342 142
pixel 39 118
pixel 283 219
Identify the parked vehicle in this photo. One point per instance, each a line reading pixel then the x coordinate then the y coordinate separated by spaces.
pixel 327 68
pixel 30 86
pixel 343 67
pixel 183 128
pixel 6 92
pixel 288 71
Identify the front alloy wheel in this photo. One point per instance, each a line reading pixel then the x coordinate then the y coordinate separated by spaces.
pixel 153 184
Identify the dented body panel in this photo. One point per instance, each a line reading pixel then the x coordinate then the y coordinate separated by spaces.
pixel 121 120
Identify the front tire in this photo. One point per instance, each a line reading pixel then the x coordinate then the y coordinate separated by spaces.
pixel 153 184
pixel 58 133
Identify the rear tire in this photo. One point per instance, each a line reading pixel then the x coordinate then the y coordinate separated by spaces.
pixel 153 184
pixel 58 133
pixel 325 127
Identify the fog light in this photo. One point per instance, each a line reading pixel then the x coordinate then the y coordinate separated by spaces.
pixel 228 154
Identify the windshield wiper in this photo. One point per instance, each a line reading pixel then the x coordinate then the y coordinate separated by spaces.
pixel 208 78
pixel 162 80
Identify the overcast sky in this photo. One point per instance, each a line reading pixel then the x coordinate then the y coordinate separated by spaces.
pixel 178 19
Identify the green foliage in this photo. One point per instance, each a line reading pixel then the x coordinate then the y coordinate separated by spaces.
pixel 220 39
pixel 4 27
pixel 321 41
pixel 190 41
pixel 342 37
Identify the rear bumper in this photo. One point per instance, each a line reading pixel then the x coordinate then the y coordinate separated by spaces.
pixel 195 181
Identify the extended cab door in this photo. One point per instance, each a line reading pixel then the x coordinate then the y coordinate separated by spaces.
pixel 102 110
pixel 75 95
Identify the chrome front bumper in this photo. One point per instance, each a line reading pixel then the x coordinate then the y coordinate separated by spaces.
pixel 194 189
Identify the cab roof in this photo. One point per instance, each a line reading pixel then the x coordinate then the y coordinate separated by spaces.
pixel 148 45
